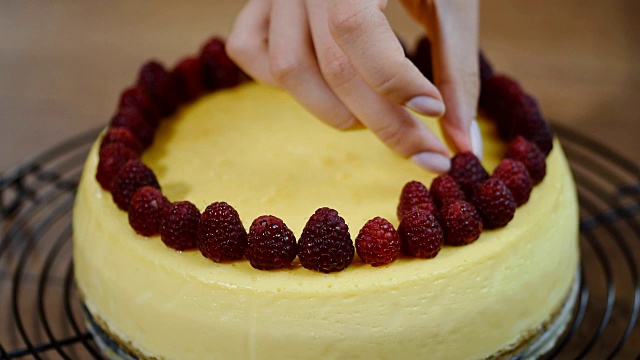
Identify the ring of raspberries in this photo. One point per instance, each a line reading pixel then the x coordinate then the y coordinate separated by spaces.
pixel 453 211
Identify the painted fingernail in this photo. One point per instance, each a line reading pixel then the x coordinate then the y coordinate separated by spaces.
pixel 432 161
pixel 351 123
pixel 476 139
pixel 426 106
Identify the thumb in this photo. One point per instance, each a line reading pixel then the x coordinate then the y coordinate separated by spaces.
pixel 453 29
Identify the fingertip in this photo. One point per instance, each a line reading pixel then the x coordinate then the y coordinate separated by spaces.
pixel 426 105
pixel 350 123
pixel 476 139
pixel 431 161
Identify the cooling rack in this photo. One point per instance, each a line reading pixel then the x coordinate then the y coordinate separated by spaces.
pixel 41 316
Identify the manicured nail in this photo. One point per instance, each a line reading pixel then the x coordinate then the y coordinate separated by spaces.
pixel 476 139
pixel 426 106
pixel 432 161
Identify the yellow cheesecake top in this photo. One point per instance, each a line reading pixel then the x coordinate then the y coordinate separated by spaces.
pixel 263 160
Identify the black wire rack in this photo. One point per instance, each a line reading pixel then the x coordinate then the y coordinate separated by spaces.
pixel 41 315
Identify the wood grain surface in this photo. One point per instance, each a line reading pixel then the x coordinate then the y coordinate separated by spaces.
pixel 63 63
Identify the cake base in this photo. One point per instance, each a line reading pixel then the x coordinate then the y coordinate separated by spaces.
pixel 534 344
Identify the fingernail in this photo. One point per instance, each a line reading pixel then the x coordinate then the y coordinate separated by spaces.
pixel 432 161
pixel 426 106
pixel 476 139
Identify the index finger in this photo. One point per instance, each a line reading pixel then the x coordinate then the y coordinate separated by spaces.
pixel 362 32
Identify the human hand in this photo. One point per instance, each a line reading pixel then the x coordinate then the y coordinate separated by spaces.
pixel 342 61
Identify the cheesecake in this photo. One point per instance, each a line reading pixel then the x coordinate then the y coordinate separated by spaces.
pixel 257 149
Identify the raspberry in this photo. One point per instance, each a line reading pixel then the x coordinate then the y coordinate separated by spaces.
pixel 445 190
pixel 485 68
pixel 325 244
pixel 136 97
pixel 495 203
pixel 515 176
pixel 497 94
pixel 467 171
pixel 414 196
pixel 160 86
pixel 539 133
pixel 132 176
pixel 145 212
pixel 180 225
pixel 421 234
pixel 422 58
pixel 121 136
pixel 461 223
pixel 378 242
pixel 522 110
pixel 112 158
pixel 522 150
pixel 529 122
pixel 131 119
pixel 188 78
pixel 496 91
pixel 221 235
pixel 219 70
pixel 271 244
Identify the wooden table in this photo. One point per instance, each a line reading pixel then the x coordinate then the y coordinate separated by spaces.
pixel 63 63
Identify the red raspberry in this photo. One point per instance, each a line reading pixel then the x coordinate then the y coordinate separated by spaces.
pixel 378 242
pixel 515 176
pixel 221 235
pixel 160 86
pixel 188 77
pixel 495 203
pixel 136 97
pixel 421 234
pixel 541 134
pixel 461 223
pixel 218 69
pixel 121 136
pixel 497 94
pixel 521 110
pixel 500 84
pixel 271 244
pixel 422 58
pixel 180 225
pixel 445 190
pixel 486 70
pixel 131 119
pixel 132 176
pixel 145 212
pixel 325 244
pixel 414 196
pixel 529 122
pixel 522 150
pixel 467 171
pixel 112 158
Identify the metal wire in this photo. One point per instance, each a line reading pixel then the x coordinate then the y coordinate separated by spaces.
pixel 40 312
